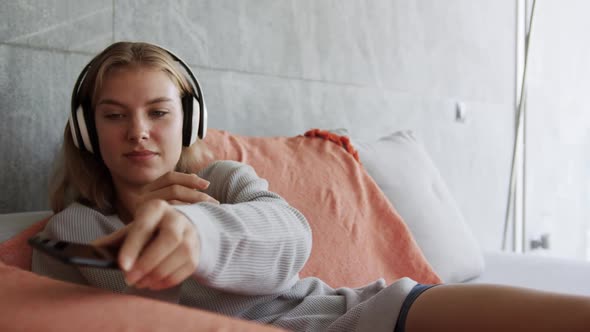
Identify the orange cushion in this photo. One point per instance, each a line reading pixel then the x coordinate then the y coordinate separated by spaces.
pixel 33 303
pixel 15 251
pixel 358 236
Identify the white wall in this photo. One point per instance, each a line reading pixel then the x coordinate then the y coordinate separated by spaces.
pixel 558 126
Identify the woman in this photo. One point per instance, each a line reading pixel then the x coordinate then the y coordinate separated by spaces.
pixel 219 240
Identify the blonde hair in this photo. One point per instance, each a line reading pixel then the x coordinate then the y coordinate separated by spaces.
pixel 80 176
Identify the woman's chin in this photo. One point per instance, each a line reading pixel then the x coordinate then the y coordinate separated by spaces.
pixel 140 179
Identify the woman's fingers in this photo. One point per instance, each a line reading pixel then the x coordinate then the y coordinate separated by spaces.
pixel 141 231
pixel 160 241
pixel 191 181
pixel 163 275
pixel 180 193
pixel 175 278
pixel 168 239
pixel 112 240
pixel 176 188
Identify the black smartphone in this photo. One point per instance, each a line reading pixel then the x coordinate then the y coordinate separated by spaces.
pixel 76 253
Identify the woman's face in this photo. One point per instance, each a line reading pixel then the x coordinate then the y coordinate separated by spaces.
pixel 138 117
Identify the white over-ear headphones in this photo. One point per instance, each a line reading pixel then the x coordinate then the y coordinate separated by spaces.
pixel 81 119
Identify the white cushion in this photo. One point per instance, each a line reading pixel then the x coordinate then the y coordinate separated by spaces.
pixel 401 167
pixel 13 223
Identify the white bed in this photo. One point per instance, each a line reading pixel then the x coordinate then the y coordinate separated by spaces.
pixel 539 272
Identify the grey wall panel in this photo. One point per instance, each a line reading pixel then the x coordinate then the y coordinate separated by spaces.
pixel 453 48
pixel 457 48
pixel 71 25
pixel 35 97
pixel 180 26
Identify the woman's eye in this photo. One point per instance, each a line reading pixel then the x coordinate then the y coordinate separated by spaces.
pixel 158 113
pixel 113 116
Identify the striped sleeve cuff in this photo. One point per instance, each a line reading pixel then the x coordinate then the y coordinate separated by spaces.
pixel 209 237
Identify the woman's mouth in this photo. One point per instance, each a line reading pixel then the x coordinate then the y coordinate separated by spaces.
pixel 140 155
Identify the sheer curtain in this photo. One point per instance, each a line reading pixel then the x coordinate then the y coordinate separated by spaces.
pixel 552 196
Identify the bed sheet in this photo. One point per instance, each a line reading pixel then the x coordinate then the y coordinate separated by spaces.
pixel 534 271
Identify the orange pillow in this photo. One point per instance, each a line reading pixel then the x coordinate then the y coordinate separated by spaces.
pixel 358 236
pixel 33 303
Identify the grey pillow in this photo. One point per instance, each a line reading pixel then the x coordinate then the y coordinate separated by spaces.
pixel 401 167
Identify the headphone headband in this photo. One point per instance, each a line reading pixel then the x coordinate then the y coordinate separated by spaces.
pixel 81 119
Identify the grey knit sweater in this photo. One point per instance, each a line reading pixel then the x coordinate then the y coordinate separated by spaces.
pixel 253 246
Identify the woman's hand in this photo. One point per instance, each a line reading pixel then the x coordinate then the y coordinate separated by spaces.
pixel 159 249
pixel 176 188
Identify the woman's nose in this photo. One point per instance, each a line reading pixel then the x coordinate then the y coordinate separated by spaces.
pixel 138 129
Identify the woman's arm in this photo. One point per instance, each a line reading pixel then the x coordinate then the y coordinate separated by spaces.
pixel 254 242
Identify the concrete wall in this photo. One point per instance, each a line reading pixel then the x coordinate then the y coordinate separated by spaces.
pixel 282 67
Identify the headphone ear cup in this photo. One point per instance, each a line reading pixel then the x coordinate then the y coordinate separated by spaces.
pixel 194 114
pixel 188 129
pixel 85 137
pixel 192 125
pixel 202 119
pixel 73 131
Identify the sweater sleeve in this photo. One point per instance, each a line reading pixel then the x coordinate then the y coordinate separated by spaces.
pixel 253 242
pixel 78 224
pixel 81 224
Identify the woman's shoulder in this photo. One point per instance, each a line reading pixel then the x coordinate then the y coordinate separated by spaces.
pixel 80 223
pixel 230 164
